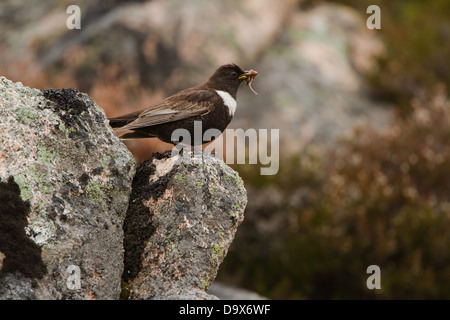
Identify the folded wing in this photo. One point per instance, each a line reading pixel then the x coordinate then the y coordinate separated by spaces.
pixel 185 104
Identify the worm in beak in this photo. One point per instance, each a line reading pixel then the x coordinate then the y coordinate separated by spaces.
pixel 249 76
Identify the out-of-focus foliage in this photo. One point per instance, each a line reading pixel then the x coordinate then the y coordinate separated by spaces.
pixel 377 198
pixel 381 198
pixel 417 38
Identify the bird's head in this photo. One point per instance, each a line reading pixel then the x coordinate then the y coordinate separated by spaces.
pixel 229 76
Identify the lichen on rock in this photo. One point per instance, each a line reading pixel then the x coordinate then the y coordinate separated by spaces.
pixel 72 206
pixel 75 175
pixel 177 230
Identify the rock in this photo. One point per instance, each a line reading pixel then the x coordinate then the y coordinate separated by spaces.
pixel 151 43
pixel 65 180
pixel 65 184
pixel 180 223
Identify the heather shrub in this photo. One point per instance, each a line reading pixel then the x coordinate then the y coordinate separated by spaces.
pixel 379 198
pixel 416 35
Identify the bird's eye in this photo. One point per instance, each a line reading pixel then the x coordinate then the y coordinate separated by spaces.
pixel 234 74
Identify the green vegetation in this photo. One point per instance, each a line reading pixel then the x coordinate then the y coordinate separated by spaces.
pixel 377 198
pixel 380 198
pixel 417 39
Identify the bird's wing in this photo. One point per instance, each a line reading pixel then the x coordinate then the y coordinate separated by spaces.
pixel 183 105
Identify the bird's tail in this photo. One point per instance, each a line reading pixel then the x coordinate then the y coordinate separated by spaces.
pixel 131 135
pixel 118 122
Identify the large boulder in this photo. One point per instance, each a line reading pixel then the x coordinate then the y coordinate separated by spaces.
pixel 77 223
pixel 183 215
pixel 65 180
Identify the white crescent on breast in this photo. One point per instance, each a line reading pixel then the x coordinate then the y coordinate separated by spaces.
pixel 228 100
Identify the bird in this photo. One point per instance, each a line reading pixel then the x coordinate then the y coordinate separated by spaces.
pixel 213 103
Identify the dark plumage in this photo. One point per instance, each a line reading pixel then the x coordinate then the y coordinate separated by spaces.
pixel 213 103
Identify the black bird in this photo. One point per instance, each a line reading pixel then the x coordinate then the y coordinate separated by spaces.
pixel 213 103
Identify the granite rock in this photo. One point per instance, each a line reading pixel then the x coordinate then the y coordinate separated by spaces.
pixel 183 215
pixel 65 180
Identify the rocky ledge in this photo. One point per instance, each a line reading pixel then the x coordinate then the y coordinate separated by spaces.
pixel 78 220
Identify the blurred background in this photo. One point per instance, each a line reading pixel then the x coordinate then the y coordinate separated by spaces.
pixel 364 119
